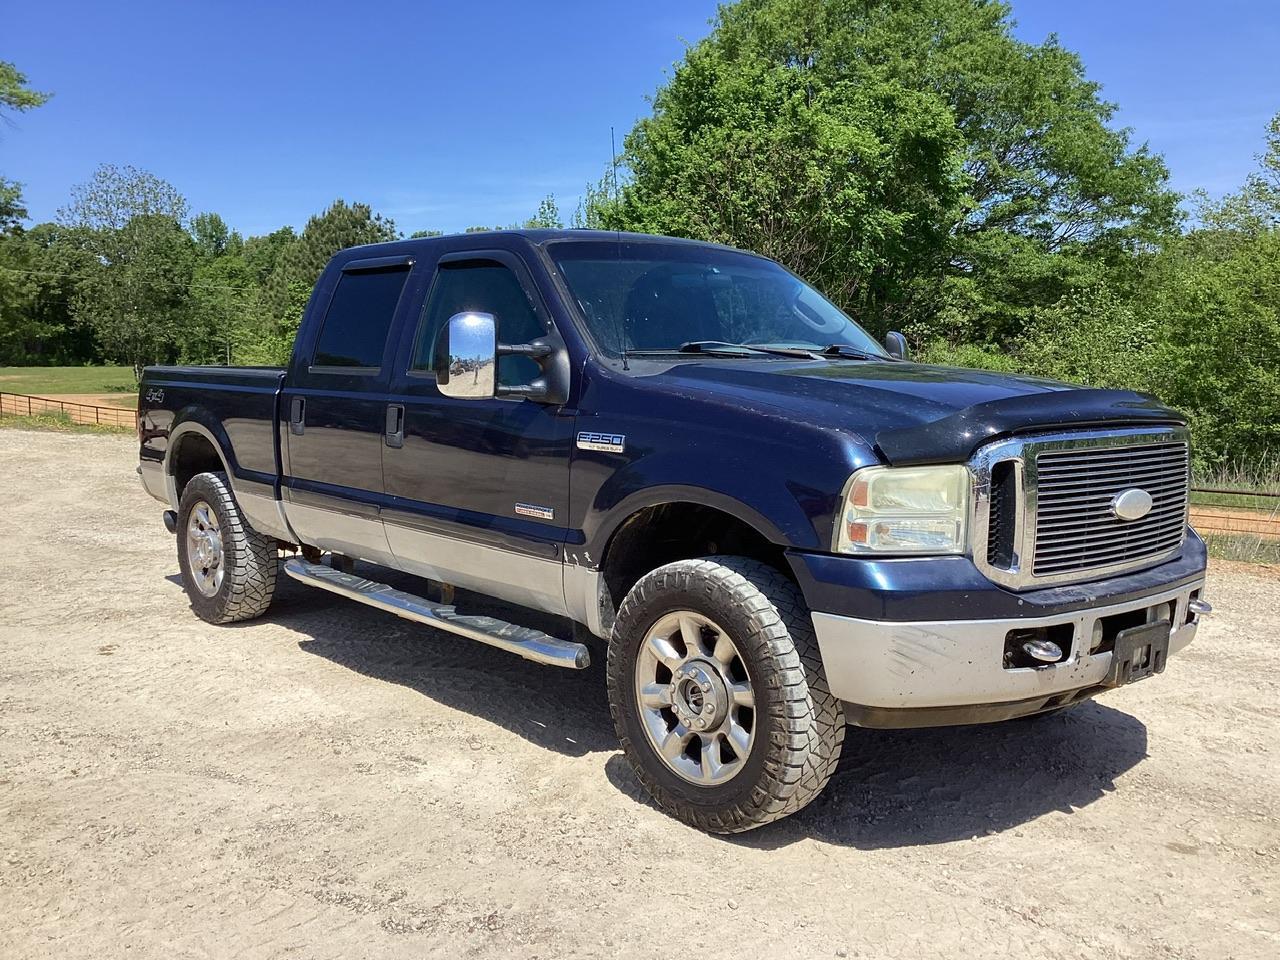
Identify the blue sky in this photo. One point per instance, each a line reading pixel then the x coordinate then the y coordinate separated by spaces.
pixel 446 114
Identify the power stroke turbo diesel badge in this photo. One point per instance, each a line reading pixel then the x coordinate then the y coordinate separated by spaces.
pixel 535 510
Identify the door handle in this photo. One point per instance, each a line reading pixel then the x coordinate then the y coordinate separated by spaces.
pixel 394 435
pixel 297 415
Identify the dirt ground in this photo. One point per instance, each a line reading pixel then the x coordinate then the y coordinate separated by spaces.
pixel 333 782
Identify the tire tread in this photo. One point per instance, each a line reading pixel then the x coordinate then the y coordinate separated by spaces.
pixel 808 721
pixel 251 558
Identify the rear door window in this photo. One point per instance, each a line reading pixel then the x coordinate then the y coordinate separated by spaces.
pixel 353 335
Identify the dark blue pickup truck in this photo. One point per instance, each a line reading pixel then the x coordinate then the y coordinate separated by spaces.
pixel 772 524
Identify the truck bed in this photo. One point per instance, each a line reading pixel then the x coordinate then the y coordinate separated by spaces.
pixel 235 407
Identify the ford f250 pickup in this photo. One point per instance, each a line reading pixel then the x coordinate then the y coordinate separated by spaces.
pixel 771 524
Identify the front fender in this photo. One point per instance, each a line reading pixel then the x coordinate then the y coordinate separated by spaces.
pixel 782 509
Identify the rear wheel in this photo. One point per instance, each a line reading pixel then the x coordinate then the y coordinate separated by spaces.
pixel 718 695
pixel 228 568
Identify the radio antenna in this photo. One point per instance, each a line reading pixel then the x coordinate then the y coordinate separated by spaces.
pixel 622 333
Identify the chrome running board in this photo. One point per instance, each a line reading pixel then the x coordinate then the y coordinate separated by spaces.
pixel 529 643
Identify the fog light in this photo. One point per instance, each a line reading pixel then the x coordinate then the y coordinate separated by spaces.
pixel 1046 651
pixel 1096 640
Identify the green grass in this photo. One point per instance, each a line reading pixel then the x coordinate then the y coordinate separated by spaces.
pixel 1250 549
pixel 42 381
pixel 58 423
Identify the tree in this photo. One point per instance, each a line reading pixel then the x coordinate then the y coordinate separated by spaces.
pixel 901 155
pixel 1256 208
pixel 547 217
pixel 425 234
pixel 17 97
pixel 137 296
pixel 40 272
pixel 136 287
pixel 300 263
pixel 213 237
pixel 1217 295
pixel 114 196
pixel 13 211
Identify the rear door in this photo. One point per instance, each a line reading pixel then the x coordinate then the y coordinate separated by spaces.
pixel 334 407
pixel 478 490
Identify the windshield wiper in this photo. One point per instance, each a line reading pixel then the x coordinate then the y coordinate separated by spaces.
pixel 847 352
pixel 721 348
pixel 844 351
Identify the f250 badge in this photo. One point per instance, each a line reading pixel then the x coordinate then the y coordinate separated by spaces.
pixel 605 442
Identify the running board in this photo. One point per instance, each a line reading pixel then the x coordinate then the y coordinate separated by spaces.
pixel 529 643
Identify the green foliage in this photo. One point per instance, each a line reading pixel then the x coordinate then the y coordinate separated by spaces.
pixel 116 195
pixel 40 273
pixel 212 236
pixel 923 166
pixel 297 267
pixel 15 95
pixel 1093 336
pixel 136 299
pixel 13 210
pixel 547 217
pixel 1220 360
pixel 133 290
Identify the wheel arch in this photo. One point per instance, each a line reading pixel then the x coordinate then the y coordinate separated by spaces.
pixel 668 525
pixel 193 448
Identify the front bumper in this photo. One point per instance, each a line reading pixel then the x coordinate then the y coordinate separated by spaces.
pixel 950 666
pixel 954 671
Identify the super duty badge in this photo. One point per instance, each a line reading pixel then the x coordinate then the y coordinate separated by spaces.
pixel 605 442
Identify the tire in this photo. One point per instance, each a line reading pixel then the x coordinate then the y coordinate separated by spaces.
pixel 228 568
pixel 794 728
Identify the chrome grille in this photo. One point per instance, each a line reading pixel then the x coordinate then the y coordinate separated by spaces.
pixel 1043 513
pixel 1077 530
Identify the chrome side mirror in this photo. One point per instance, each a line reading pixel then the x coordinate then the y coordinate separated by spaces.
pixel 466 357
pixel 896 344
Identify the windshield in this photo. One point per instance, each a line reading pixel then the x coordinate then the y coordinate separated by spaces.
pixel 647 296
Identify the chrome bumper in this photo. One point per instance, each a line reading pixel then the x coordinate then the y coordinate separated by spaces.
pixel 926 665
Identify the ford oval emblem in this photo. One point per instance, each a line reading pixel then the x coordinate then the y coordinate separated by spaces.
pixel 1131 504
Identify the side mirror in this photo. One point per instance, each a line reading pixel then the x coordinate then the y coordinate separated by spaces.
pixel 896 344
pixel 466 357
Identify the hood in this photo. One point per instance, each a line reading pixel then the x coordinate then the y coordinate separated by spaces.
pixel 917 413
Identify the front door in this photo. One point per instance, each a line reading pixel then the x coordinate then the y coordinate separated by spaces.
pixel 477 492
pixel 334 405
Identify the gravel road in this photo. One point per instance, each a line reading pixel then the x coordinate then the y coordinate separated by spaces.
pixel 333 782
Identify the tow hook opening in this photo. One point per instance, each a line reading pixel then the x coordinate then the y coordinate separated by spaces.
pixel 1037 647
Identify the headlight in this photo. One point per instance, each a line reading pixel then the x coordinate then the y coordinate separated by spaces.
pixel 905 510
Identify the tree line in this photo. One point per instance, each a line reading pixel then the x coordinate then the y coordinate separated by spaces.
pixel 924 167
pixel 124 274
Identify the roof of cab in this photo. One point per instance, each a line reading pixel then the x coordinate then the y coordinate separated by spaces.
pixel 538 237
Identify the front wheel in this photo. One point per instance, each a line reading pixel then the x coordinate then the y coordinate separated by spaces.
pixel 718 695
pixel 228 568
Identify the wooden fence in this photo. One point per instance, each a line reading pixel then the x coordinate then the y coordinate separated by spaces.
pixel 21 405
pixel 1211 519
